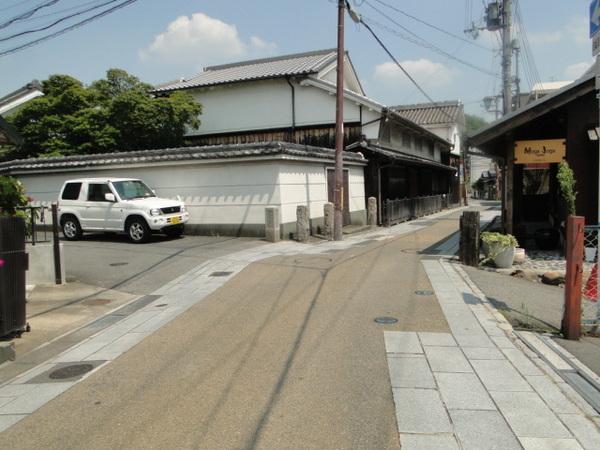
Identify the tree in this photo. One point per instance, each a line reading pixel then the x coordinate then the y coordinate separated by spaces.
pixel 117 113
pixel 474 123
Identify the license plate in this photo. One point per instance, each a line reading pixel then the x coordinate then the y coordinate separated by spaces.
pixel 175 220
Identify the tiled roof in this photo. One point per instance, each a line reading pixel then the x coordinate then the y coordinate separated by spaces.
pixel 257 69
pixel 442 113
pixel 30 90
pixel 176 154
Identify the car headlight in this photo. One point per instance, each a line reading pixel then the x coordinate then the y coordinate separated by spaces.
pixel 155 212
pixel 182 208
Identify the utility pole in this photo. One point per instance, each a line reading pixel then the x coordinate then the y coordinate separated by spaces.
pixel 517 51
pixel 338 190
pixel 507 50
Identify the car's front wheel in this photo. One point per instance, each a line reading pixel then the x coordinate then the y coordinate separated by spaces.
pixel 138 230
pixel 71 229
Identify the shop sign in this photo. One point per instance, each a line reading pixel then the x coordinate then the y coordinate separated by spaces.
pixel 542 151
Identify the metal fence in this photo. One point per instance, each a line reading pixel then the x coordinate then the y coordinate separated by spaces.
pixel 401 210
pixel 39 224
pixel 590 304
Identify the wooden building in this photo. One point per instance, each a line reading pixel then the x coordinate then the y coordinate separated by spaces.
pixel 531 194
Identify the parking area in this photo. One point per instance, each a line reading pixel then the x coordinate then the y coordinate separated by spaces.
pixel 110 261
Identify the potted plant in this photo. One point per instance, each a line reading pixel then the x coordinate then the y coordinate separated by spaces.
pixel 500 248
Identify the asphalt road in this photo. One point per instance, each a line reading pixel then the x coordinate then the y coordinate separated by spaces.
pixel 286 355
pixel 110 261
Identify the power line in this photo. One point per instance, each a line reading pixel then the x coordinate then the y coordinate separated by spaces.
pixel 56 22
pixel 441 30
pixel 433 102
pixel 423 43
pixel 60 11
pixel 28 14
pixel 66 29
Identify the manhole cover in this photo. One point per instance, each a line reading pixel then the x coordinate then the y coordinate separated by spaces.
pixel 220 274
pixel 71 371
pixel 118 264
pixel 386 320
pixel 423 292
pixel 96 301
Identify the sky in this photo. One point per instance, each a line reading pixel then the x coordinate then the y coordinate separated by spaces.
pixel 162 40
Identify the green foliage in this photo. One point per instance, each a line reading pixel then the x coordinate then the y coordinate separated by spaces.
pixel 566 181
pixel 12 195
pixel 117 113
pixel 474 123
pixel 499 240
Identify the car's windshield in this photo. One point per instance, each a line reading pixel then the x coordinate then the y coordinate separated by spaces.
pixel 131 189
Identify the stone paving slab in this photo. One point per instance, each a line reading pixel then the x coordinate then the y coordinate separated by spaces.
pixel 415 374
pixel 463 391
pixel 428 442
pixel 402 342
pixel 426 413
pixel 447 359
pixel 483 430
pixel 529 416
pixel 510 398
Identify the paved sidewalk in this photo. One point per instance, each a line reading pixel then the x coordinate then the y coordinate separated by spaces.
pixel 479 387
pixel 25 394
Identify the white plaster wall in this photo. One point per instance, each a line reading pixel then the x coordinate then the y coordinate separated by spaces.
pixel 267 104
pixel 371 131
pixel 316 106
pixel 222 193
pixel 303 185
pixel 244 106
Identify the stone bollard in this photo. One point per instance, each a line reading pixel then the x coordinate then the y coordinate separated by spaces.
pixel 272 225
pixel 328 221
pixel 302 224
pixel 372 212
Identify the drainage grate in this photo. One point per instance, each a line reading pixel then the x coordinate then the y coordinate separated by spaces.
pixel 386 320
pixel 424 292
pixel 74 370
pixel 118 264
pixel 220 274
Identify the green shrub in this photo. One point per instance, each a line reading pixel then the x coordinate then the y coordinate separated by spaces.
pixel 12 196
pixel 499 240
pixel 566 181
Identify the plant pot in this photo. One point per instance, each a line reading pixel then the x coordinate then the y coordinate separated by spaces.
pixel 519 256
pixel 504 258
pixel 546 238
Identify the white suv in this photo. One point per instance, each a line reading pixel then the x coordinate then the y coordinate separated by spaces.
pixel 117 204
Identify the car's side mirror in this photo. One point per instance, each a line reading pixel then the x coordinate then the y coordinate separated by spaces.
pixel 110 197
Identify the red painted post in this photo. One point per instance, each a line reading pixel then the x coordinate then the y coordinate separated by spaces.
pixel 571 323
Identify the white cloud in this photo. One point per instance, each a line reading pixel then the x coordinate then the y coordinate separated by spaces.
pixel 424 71
pixel 576 30
pixel 574 71
pixel 201 40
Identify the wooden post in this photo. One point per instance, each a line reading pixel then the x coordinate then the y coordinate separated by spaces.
pixel 56 245
pixel 571 322
pixel 510 185
pixel 469 238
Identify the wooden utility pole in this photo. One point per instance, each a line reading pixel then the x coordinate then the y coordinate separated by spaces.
pixel 571 322
pixel 507 51
pixel 338 189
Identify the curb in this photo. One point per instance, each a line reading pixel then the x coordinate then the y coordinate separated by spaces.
pixel 564 368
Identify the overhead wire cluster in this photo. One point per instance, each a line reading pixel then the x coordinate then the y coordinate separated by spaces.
pixel 529 67
pixel 14 37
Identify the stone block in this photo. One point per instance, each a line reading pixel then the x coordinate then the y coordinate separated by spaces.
pixel 302 223
pixel 272 224
pixel 372 212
